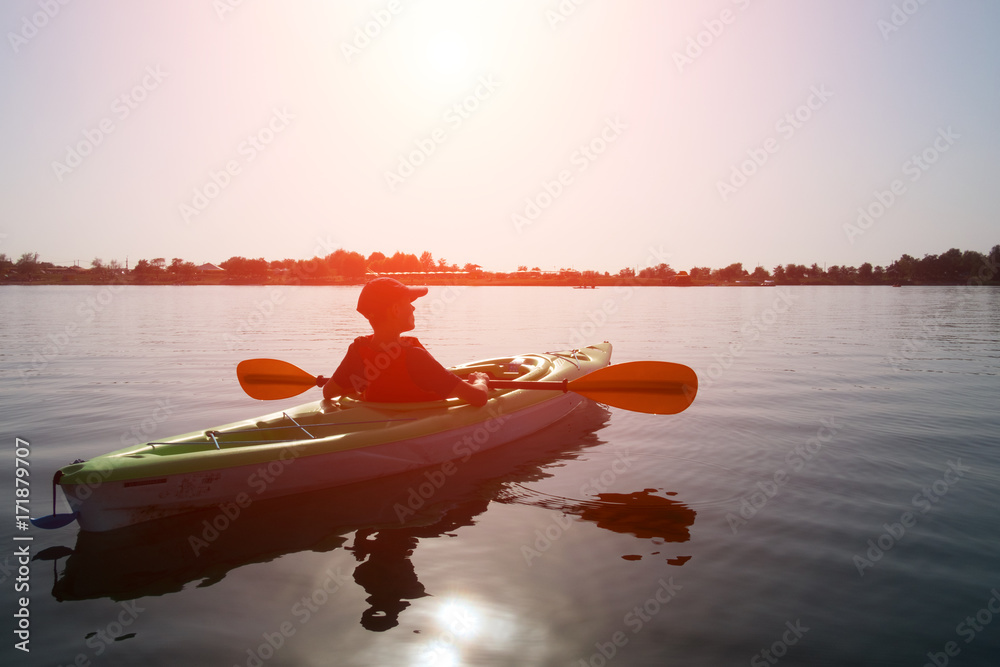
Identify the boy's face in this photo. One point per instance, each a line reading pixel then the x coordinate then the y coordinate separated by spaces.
pixel 398 317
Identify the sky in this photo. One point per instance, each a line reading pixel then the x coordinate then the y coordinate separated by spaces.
pixel 587 134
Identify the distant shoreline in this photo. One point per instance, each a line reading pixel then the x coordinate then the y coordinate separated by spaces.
pixel 601 282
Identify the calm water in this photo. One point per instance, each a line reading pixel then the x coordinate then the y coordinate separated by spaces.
pixel 829 499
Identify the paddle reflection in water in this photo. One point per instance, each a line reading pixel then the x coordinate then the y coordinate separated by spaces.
pixel 161 557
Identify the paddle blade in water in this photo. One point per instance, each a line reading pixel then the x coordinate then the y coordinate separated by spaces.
pixel 654 387
pixel 271 379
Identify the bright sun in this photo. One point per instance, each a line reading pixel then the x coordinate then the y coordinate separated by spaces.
pixel 441 59
pixel 447 58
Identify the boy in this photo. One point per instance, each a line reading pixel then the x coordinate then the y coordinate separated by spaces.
pixel 390 368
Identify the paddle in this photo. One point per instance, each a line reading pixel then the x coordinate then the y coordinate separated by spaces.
pixel 53 521
pixel 653 387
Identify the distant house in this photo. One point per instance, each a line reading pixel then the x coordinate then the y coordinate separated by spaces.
pixel 210 269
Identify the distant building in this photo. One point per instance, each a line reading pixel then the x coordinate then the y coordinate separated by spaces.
pixel 210 268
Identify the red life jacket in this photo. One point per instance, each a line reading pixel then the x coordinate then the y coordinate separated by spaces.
pixel 388 378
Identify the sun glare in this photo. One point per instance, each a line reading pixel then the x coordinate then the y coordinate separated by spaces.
pixel 442 61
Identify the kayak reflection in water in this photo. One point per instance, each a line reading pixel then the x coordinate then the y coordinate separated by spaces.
pixel 156 558
pixel 387 573
pixel 640 513
pixel 387 367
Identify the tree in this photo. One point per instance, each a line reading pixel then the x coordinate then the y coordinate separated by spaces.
pixel 970 264
pixel 661 271
pixel 402 262
pixel 992 265
pixel 426 261
pixel 27 267
pixel 182 271
pixel 779 274
pixel 99 271
pixel 902 270
pixel 144 272
pixel 865 273
pixel 348 264
pixel 376 262
pixel 795 273
pixel 760 274
pixel 243 270
pixel 731 273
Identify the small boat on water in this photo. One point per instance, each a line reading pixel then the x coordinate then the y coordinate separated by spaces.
pixel 318 445
pixel 344 440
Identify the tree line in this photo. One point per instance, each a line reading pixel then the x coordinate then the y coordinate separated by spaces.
pixel 953 266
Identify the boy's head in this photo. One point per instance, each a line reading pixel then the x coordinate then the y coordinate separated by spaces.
pixel 381 297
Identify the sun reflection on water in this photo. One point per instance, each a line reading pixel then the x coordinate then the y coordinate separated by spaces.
pixel 461 626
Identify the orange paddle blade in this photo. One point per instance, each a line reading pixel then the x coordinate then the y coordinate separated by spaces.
pixel 653 387
pixel 271 379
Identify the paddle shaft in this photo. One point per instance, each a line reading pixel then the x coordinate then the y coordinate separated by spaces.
pixel 655 387
pixel 550 385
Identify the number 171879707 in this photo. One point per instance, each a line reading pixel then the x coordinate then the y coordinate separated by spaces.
pixel 22 488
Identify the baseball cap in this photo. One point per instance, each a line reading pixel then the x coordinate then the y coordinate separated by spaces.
pixel 380 293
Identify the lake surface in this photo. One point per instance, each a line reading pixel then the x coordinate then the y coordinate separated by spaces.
pixel 830 498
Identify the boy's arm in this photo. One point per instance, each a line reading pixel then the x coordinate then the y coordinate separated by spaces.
pixel 330 388
pixel 348 368
pixel 474 390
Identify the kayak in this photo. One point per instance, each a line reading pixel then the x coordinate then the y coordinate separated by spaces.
pixel 320 445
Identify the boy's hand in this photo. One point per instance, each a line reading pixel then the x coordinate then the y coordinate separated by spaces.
pixel 478 378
